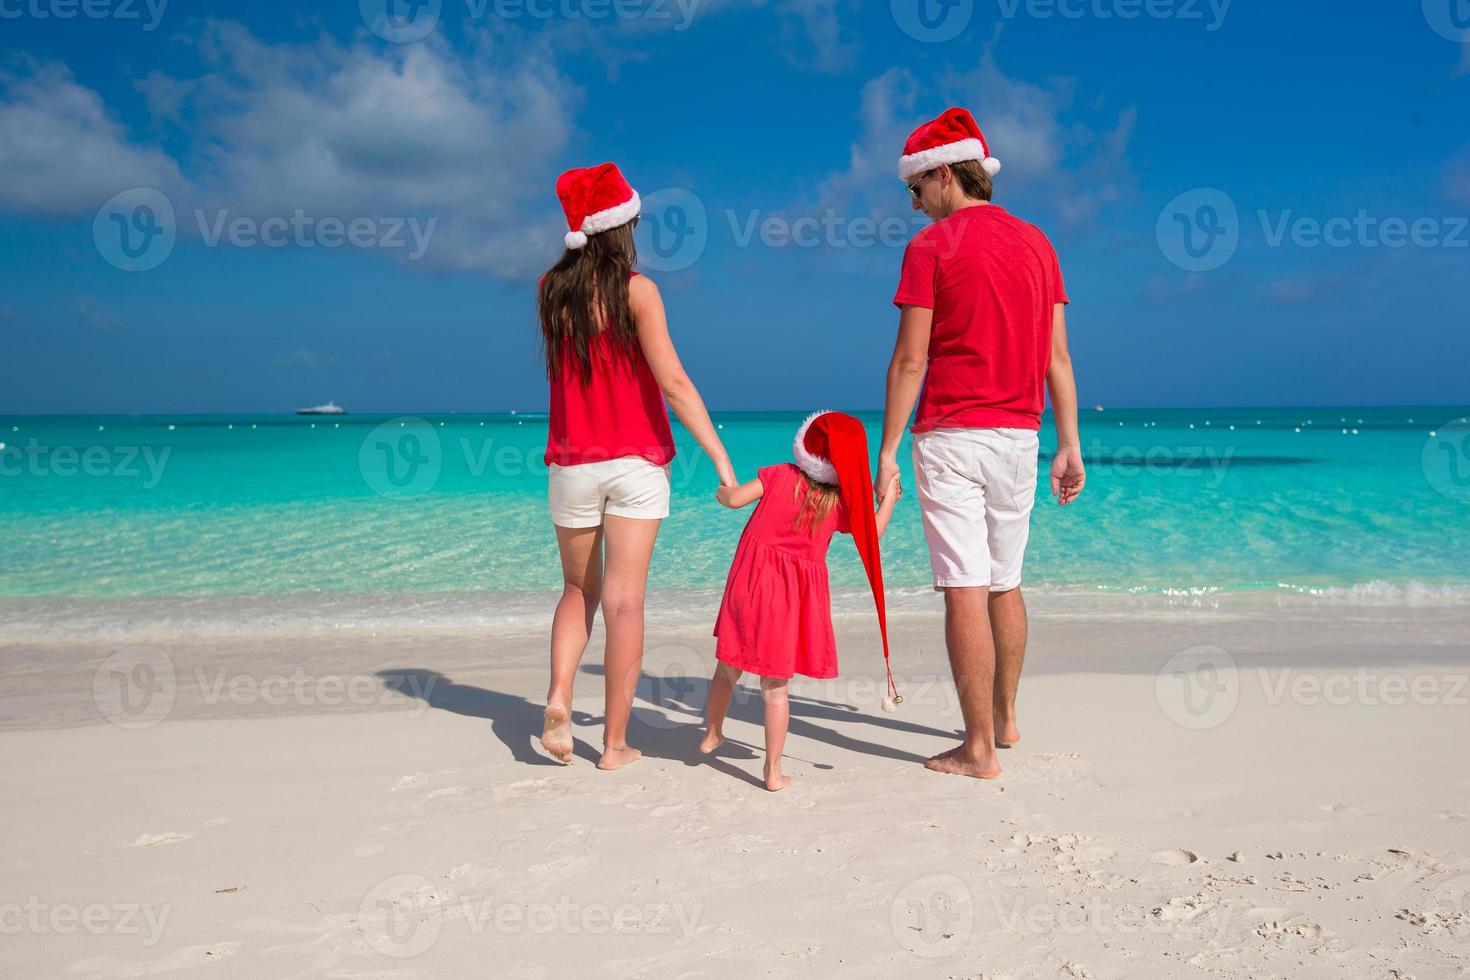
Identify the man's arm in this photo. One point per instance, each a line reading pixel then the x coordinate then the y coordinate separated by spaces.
pixel 905 377
pixel 1067 472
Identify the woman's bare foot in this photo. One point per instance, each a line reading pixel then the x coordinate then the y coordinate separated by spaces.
pixel 618 758
pixel 711 741
pixel 776 781
pixel 556 733
pixel 960 761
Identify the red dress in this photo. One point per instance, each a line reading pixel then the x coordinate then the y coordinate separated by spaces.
pixel 776 617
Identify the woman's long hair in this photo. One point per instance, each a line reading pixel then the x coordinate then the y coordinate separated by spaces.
pixel 584 294
pixel 814 502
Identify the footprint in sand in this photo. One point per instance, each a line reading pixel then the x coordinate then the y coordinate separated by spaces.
pixel 1452 816
pixel 153 840
pixel 1176 856
pixel 410 781
pixel 367 849
pixel 1354 809
pixel 189 957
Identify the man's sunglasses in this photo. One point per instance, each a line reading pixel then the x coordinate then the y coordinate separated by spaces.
pixel 914 187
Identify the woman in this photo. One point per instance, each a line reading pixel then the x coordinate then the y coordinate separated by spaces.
pixel 610 364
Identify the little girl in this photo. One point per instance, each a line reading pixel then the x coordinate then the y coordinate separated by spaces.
pixel 776 617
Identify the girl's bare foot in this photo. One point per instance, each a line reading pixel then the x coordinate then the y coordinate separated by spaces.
pixel 776 781
pixel 960 761
pixel 711 741
pixel 618 758
pixel 556 733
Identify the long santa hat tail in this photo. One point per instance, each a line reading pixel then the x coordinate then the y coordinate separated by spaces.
pixel 832 448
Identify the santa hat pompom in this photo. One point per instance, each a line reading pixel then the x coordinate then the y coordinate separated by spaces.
pixel 575 239
pixel 990 165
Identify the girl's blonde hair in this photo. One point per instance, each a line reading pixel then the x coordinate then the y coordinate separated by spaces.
pixel 814 503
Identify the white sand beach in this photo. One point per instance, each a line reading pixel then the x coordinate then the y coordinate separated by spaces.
pixel 1247 789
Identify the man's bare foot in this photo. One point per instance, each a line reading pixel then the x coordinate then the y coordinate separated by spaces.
pixel 776 781
pixel 618 758
pixel 556 733
pixel 711 741
pixel 1006 732
pixel 960 761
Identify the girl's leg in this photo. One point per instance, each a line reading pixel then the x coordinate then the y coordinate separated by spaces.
pixel 581 571
pixel 721 689
pixel 625 580
pixel 778 715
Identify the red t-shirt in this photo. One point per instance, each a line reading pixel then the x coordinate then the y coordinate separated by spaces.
pixel 993 282
pixel 620 412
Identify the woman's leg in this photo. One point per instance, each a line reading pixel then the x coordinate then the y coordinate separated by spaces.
pixel 778 716
pixel 581 571
pixel 721 689
pixel 625 581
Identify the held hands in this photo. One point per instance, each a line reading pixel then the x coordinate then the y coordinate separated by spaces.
pixel 894 489
pixel 727 475
pixel 1068 475
pixel 725 495
pixel 887 479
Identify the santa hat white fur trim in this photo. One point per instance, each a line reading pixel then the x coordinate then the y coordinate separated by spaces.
pixel 600 221
pixel 816 467
pixel 969 149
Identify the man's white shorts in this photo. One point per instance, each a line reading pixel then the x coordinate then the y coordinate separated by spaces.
pixel 628 486
pixel 976 489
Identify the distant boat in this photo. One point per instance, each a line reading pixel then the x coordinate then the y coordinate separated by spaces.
pixel 330 408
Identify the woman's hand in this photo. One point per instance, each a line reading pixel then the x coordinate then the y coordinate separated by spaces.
pixel 724 494
pixel 727 474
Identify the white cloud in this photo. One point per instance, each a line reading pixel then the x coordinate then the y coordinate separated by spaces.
pixel 1054 159
pixel 342 131
pixel 61 152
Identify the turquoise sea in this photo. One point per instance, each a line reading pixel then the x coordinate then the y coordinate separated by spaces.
pixel 1330 501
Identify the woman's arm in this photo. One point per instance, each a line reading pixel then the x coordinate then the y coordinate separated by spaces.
pixel 683 397
pixel 890 499
pixel 744 495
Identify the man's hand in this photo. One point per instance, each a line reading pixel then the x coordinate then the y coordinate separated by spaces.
pixel 1068 475
pixel 887 474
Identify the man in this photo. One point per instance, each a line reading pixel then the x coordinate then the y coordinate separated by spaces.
pixel 983 308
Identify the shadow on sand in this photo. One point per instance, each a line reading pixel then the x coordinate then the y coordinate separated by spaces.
pixel 516 721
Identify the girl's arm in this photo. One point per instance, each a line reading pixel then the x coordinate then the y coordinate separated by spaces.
pixel 741 496
pixel 885 509
pixel 683 397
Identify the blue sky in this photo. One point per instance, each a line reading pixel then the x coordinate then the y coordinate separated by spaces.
pixel 740 123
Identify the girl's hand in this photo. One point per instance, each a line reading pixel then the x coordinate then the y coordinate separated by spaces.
pixel 894 489
pixel 723 495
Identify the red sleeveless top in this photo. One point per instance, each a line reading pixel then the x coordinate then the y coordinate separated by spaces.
pixel 619 412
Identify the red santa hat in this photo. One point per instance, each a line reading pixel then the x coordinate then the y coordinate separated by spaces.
pixel 595 199
pixel 832 448
pixel 950 138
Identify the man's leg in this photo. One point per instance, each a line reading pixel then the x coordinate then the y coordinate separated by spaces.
pixel 967 634
pixel 1008 630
